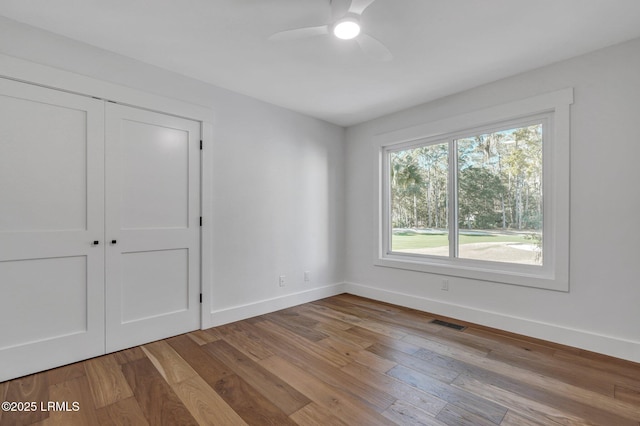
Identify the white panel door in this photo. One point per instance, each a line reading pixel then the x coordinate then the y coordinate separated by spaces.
pixel 152 226
pixel 51 212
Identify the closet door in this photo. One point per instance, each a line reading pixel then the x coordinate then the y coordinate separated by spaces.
pixel 152 226
pixel 51 212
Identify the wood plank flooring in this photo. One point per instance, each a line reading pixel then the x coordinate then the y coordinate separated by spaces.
pixel 343 360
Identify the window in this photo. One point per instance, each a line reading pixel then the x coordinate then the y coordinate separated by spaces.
pixel 487 201
pixel 497 196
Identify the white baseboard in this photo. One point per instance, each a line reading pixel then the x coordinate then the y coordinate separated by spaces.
pixel 582 339
pixel 261 307
pixel 608 345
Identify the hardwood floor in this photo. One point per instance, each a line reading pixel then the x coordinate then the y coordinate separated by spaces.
pixel 344 360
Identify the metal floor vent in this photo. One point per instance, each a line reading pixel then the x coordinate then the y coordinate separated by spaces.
pixel 448 324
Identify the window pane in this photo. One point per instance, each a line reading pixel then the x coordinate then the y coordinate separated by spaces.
pixel 419 198
pixel 500 196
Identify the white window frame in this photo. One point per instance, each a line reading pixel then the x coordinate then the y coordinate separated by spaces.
pixel 553 109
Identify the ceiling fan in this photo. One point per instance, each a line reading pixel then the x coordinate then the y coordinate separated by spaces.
pixel 345 24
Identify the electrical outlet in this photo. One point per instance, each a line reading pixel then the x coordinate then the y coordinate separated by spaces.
pixel 445 285
pixel 307 276
pixel 282 280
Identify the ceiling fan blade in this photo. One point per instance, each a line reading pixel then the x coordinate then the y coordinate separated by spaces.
pixel 373 48
pixel 358 6
pixel 299 33
pixel 339 8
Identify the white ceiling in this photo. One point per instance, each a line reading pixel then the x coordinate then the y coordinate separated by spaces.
pixel 440 47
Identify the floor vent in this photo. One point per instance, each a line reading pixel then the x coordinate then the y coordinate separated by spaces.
pixel 448 324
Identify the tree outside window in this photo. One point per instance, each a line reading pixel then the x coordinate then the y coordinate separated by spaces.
pixel 498 199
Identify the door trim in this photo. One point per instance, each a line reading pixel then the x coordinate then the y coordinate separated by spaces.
pixel 20 70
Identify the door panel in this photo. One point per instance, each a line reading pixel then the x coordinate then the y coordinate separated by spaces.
pixel 39 157
pixel 155 177
pixel 59 309
pixel 153 211
pixel 168 270
pixel 51 211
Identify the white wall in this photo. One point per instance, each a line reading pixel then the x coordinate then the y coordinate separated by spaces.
pixel 277 179
pixel 601 312
pixel 278 207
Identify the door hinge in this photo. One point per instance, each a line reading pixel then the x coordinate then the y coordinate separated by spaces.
pixel 201 144
pixel 200 297
pixel 200 220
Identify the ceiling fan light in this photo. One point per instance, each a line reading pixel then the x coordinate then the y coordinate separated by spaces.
pixel 346 29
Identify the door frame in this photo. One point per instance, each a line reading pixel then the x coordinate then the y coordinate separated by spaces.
pixel 42 75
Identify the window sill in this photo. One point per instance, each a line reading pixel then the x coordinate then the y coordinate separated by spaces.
pixel 521 275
